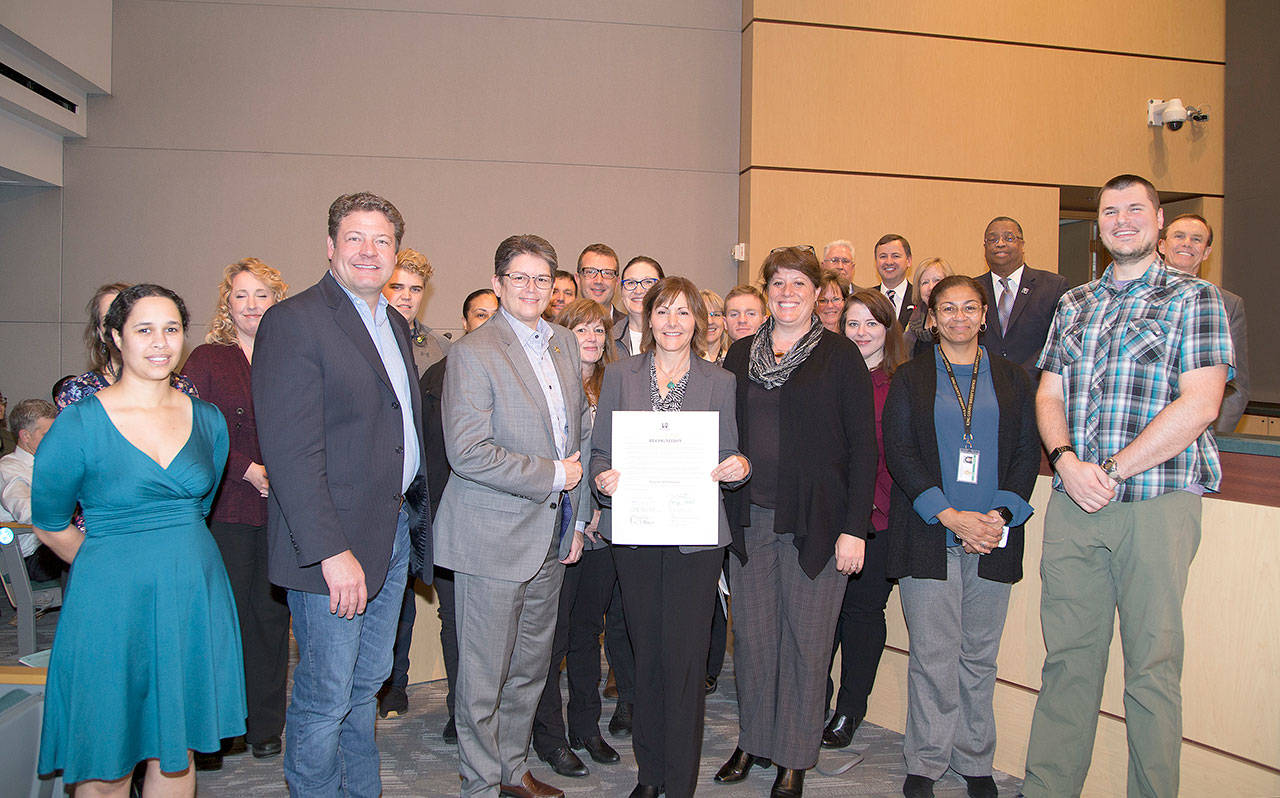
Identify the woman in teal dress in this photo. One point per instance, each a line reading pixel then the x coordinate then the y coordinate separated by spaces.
pixel 146 663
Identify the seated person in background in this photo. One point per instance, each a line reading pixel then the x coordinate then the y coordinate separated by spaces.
pixel 744 311
pixel 1185 243
pixel 404 291
pixel 564 291
pixel 29 421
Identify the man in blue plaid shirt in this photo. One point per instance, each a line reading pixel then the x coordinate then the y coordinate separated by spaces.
pixel 1133 375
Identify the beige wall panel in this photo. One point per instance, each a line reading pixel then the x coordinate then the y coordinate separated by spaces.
pixel 28 360
pixel 1228 704
pixel 1190 29
pixel 71 37
pixel 31 229
pixel 445 86
pixel 943 218
pixel 190 213
pixel 945 108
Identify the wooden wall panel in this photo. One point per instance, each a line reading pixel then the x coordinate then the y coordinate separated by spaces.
pixel 859 101
pixel 943 218
pixel 1228 702
pixel 1188 29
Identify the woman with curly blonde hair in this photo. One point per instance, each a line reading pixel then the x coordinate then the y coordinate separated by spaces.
pixel 220 369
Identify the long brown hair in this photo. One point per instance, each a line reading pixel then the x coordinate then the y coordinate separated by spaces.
pixel 881 309
pixel 586 311
pixel 100 349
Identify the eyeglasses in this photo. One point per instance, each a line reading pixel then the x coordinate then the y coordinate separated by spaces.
pixel 520 280
pixel 967 309
pixel 1007 238
pixel 795 246
pixel 714 314
pixel 592 273
pixel 831 300
pixel 646 284
pixel 839 261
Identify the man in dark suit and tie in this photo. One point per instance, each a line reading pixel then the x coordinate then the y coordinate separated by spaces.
pixel 336 396
pixel 893 263
pixel 1185 243
pixel 1021 299
pixel 516 421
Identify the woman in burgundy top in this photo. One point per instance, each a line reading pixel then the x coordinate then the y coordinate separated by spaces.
pixel 220 370
pixel 869 321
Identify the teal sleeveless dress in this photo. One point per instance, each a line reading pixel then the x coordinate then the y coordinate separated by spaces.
pixel 146 661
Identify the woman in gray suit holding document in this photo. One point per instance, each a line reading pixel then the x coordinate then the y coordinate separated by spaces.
pixel 668 591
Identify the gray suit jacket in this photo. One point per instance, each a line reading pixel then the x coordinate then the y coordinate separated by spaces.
pixel 499 513
pixel 1236 397
pixel 626 387
pixel 332 439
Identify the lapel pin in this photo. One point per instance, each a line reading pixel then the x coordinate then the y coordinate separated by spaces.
pixel 1026 290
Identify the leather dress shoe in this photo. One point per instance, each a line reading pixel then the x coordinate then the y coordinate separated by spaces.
pixel 620 723
pixel 392 702
pixel 565 762
pixel 599 750
pixel 839 731
pixel 529 787
pixel 788 784
pixel 712 683
pixel 645 791
pixel 917 786
pixel 266 748
pixel 981 786
pixel 739 764
pixel 450 732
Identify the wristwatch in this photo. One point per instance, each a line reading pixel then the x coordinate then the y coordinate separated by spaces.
pixel 1112 469
pixel 1057 453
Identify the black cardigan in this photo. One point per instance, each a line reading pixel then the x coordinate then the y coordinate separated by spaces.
pixel 917 548
pixel 828 453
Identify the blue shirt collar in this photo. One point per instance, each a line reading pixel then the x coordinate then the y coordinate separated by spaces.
pixel 539 338
pixel 361 305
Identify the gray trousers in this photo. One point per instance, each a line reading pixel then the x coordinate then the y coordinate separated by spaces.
pixel 504 644
pixel 783 624
pixel 954 626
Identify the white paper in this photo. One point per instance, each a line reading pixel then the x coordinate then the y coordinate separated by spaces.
pixel 665 495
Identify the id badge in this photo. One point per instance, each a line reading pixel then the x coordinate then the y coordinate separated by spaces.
pixel 967 470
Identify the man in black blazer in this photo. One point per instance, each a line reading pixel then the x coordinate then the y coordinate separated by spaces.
pixel 1185 243
pixel 339 417
pixel 893 264
pixel 1016 324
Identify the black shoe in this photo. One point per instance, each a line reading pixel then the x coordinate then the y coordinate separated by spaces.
pixel 788 784
pixel 565 762
pixel 392 701
pixel 839 731
pixel 645 791
pixel 712 683
pixel 234 745
pixel 450 733
pixel 599 750
pixel 620 723
pixel 207 762
pixel 917 787
pixel 266 748
pixel 736 768
pixel 981 786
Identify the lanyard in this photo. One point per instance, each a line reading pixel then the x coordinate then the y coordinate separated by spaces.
pixel 966 410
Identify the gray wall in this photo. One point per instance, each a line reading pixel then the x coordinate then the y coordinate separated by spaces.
pixel 232 126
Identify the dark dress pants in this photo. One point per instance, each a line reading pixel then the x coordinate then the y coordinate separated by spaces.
pixel 668 600
pixel 587 589
pixel 442 582
pixel 719 634
pixel 860 630
pixel 264 626
pixel 617 648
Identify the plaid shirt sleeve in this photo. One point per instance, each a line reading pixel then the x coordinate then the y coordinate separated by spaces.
pixel 1206 332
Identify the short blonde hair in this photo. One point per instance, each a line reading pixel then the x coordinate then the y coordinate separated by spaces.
pixel 714 303
pixel 932 263
pixel 222 330
pixel 411 260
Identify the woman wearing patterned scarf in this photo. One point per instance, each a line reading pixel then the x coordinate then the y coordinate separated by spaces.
pixel 806 420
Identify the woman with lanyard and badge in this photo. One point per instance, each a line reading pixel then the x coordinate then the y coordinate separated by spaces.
pixel 961 444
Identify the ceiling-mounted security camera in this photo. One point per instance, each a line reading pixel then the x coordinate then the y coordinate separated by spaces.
pixel 1166 112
